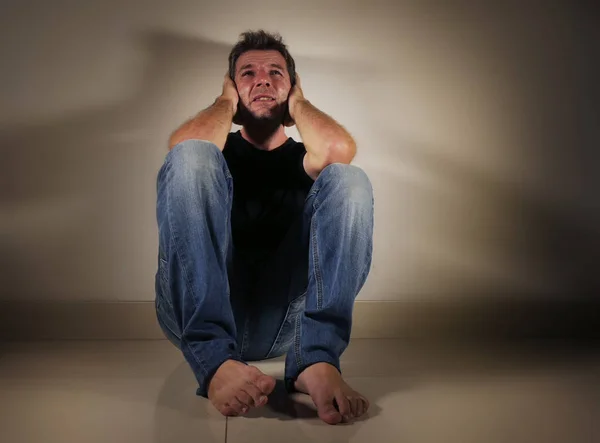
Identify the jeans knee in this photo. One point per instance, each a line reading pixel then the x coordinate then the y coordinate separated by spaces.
pixel 347 182
pixel 195 154
pixel 196 160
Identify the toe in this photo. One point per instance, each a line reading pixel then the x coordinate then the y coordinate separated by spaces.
pixel 258 398
pixel 326 408
pixel 235 405
pixel 228 411
pixel 358 404
pixel 328 413
pixel 361 407
pixel 365 404
pixel 343 406
pixel 266 384
pixel 245 401
pixel 355 406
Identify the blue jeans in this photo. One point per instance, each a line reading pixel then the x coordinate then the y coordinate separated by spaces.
pixel 215 307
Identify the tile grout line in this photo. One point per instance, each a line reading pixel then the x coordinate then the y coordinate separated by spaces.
pixel 226 425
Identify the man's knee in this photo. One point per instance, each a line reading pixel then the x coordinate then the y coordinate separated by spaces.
pixel 195 154
pixel 347 182
pixel 195 160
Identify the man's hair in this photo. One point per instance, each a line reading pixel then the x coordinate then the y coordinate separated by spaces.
pixel 261 40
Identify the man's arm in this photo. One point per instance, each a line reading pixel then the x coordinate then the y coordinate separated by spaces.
pixel 325 140
pixel 212 124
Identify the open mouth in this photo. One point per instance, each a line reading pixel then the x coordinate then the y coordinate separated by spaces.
pixel 263 99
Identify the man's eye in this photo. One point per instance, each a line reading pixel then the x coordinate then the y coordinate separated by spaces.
pixel 247 73
pixel 276 72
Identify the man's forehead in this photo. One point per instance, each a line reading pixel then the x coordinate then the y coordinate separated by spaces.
pixel 257 58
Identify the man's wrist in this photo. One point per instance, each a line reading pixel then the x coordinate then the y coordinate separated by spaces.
pixel 231 102
pixel 296 106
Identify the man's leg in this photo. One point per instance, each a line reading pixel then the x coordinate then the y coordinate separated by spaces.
pixel 194 197
pixel 340 208
pixel 277 297
pixel 303 299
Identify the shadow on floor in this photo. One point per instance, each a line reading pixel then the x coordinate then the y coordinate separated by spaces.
pixel 178 405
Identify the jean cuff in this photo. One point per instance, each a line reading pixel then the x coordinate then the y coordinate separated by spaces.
pixel 205 370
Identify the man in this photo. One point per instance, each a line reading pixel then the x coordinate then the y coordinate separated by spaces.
pixel 264 242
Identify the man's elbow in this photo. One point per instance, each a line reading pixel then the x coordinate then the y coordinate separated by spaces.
pixel 341 152
pixel 174 140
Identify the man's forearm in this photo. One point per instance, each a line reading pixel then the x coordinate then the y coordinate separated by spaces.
pixel 212 124
pixel 323 137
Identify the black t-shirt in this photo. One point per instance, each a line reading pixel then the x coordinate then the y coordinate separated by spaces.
pixel 269 189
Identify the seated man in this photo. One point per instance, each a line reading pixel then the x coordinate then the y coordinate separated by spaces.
pixel 264 242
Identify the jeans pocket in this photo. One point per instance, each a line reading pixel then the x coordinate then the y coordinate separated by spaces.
pixel 285 335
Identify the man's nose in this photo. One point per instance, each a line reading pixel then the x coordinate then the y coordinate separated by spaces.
pixel 263 80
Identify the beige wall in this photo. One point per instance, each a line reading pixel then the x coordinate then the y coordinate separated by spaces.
pixel 474 123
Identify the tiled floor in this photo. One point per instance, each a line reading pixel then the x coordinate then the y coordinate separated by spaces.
pixel 142 391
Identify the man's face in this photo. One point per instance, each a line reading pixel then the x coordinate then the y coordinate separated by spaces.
pixel 263 84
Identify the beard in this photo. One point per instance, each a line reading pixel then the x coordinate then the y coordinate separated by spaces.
pixel 273 118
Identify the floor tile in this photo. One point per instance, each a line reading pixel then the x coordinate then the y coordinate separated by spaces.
pixel 429 394
pixel 102 392
pixel 143 391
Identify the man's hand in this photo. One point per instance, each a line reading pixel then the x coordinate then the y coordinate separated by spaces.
pixel 326 141
pixel 230 92
pixel 213 123
pixel 296 95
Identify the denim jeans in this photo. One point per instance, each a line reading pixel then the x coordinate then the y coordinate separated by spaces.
pixel 214 307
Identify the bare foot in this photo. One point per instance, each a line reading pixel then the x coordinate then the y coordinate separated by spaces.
pixel 237 387
pixel 325 385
